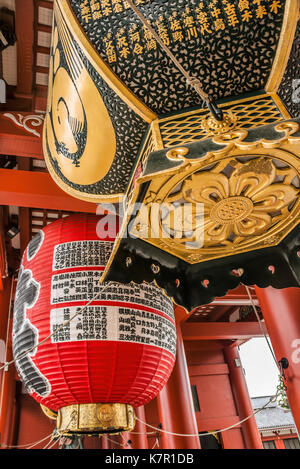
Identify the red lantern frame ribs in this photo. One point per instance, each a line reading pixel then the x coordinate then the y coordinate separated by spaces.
pixel 117 352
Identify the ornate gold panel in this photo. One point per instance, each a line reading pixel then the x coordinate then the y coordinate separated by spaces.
pixel 190 127
pixel 248 191
pixel 76 112
pixel 95 418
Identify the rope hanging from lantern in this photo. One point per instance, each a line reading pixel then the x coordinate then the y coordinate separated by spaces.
pixel 272 399
pixel 25 446
pixel 7 364
pixel 191 81
pixel 261 327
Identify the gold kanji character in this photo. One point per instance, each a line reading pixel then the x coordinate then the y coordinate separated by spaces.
pixel 117 6
pixel 122 41
pixel 124 52
pixel 202 17
pixel 243 5
pixel 138 48
pixel 151 44
pixel 216 12
pixel 231 13
pixel 85 11
pixel 95 6
pixel 177 36
pixel 204 22
pixel 150 41
pixel 84 4
pixel 204 28
pixel 107 11
pixel 134 35
pixel 219 24
pixel 97 15
pixel 86 17
pixel 110 51
pixel 175 22
pixel 163 32
pixel 188 20
pixel 247 15
pixel 192 32
pixel 274 7
pixel 261 11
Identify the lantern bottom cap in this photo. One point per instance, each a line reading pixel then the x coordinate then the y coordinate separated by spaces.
pixel 101 418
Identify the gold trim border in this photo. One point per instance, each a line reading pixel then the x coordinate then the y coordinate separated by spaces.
pixel 93 198
pixel 100 66
pixel 291 16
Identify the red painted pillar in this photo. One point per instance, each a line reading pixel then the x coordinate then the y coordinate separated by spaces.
pixel 242 399
pixel 139 434
pixel 7 378
pixel 175 405
pixel 281 312
pixel 125 440
pixel 104 442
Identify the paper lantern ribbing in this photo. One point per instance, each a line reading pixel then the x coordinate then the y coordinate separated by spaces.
pixel 116 354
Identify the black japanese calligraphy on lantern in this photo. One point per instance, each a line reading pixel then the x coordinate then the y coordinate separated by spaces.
pixel 34 245
pixel 25 335
pixel 92 253
pixel 113 323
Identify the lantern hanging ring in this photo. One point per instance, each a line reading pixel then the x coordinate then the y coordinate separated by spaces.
pixel 191 81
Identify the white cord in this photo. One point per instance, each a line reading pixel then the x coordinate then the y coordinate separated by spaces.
pixel 261 327
pixel 25 446
pixel 209 433
pixel 7 364
pixel 115 442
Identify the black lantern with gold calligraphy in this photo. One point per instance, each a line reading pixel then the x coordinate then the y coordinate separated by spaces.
pixel 219 196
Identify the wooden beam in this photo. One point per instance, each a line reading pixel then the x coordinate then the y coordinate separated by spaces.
pixel 25 36
pixel 221 330
pixel 37 190
pixel 238 296
pixel 216 423
pixel 208 370
pixel 21 134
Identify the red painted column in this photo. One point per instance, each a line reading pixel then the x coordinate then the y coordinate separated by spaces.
pixel 175 405
pixel 7 378
pixel 125 440
pixel 279 443
pixel 104 442
pixel 281 312
pixel 139 434
pixel 242 399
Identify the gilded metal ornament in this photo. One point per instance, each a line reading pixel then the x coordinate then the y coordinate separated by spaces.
pixel 215 127
pixel 95 418
pixel 51 414
pixel 248 191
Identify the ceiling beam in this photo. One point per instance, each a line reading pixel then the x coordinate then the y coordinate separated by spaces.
pixel 37 190
pixel 221 330
pixel 238 296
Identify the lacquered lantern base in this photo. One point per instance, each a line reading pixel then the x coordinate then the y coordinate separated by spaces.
pixel 95 418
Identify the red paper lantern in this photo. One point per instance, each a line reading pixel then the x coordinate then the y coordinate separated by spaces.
pixel 120 350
